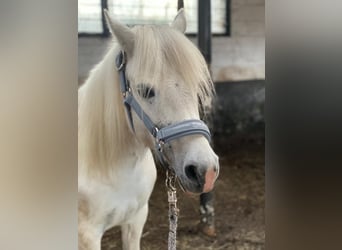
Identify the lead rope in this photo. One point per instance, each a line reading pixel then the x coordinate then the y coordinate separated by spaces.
pixel 173 210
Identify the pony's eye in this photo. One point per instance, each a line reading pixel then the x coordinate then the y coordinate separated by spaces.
pixel 145 91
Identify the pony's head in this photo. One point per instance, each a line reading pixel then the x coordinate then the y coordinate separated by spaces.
pixel 170 80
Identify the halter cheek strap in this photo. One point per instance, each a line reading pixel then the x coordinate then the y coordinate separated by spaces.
pixel 162 135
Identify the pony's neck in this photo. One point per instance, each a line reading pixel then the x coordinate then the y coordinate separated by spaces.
pixel 105 138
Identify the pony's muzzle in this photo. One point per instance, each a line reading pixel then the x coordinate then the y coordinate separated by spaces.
pixel 201 180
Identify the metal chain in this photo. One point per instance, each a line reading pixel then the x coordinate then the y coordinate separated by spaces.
pixel 173 210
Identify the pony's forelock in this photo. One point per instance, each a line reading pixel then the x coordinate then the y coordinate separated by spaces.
pixel 160 49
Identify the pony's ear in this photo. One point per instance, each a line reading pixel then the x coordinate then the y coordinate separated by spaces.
pixel 122 33
pixel 179 23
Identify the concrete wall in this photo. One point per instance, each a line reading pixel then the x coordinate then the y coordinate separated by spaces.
pixel 238 57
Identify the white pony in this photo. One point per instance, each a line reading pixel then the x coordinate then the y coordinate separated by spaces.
pixel 168 77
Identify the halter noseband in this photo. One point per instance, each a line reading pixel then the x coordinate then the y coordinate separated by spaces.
pixel 162 135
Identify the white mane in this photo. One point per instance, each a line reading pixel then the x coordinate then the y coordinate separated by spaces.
pixel 104 134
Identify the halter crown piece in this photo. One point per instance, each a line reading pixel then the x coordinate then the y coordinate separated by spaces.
pixel 162 135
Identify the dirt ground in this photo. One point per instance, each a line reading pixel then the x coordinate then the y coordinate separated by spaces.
pixel 239 207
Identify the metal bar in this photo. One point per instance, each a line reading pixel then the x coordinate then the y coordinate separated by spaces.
pixel 204 29
pixel 228 16
pixel 104 5
pixel 180 4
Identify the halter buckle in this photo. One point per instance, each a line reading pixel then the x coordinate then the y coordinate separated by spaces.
pixel 127 92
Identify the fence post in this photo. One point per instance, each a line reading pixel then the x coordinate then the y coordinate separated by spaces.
pixel 204 29
pixel 228 16
pixel 104 5
pixel 180 4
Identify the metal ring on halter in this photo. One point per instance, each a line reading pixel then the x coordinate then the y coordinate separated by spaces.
pixel 155 131
pixel 123 62
pixel 160 145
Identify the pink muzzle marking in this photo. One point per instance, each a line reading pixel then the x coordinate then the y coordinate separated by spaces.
pixel 210 178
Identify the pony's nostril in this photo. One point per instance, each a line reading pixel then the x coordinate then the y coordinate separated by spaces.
pixel 191 172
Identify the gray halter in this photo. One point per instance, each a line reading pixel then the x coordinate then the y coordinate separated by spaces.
pixel 162 135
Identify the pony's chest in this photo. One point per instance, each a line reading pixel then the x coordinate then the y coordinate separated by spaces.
pixel 133 189
pixel 130 188
pixel 129 197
